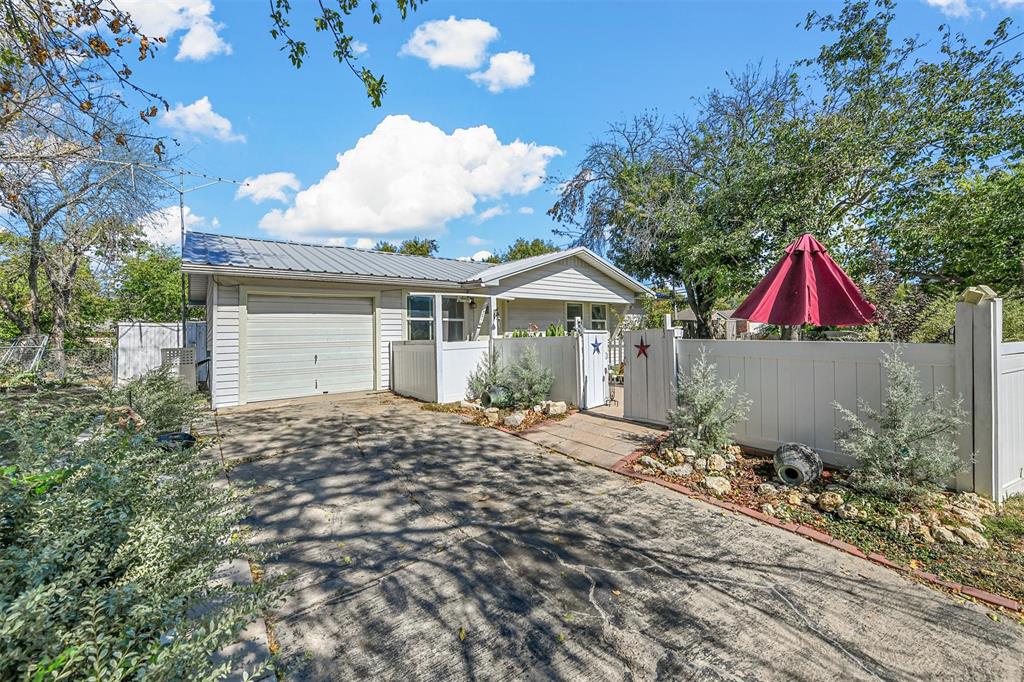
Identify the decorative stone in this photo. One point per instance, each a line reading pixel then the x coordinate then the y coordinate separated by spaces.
pixel 492 415
pixel 830 501
pixel 717 485
pixel 700 464
pixel 768 509
pixel 925 533
pixel 811 499
pixel 717 463
pixel 687 453
pixel 767 489
pixel 794 499
pixel 680 470
pixel 554 409
pixel 797 464
pixel 846 513
pixel 515 419
pixel 650 463
pixel 972 537
pixel 539 409
pixel 470 405
pixel 946 535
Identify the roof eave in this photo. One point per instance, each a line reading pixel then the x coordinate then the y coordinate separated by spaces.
pixel 239 271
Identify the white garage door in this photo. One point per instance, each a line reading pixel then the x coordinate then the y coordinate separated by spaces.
pixel 307 345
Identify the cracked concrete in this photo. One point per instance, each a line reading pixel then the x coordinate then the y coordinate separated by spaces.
pixel 418 547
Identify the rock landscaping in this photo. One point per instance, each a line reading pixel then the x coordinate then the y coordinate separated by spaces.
pixel 508 418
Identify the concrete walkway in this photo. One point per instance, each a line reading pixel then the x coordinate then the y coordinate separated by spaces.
pixel 417 547
pixel 592 438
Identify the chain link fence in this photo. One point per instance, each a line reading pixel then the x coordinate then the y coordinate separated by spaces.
pixel 23 366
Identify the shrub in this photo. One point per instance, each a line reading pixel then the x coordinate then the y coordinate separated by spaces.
pixel 707 409
pixel 160 398
pixel 527 381
pixel 108 544
pixel 486 374
pixel 913 449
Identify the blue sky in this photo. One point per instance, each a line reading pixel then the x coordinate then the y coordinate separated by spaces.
pixel 528 84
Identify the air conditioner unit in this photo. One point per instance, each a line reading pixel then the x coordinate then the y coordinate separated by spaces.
pixel 182 364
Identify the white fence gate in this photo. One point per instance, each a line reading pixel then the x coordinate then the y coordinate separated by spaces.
pixel 593 355
pixel 792 386
pixel 139 344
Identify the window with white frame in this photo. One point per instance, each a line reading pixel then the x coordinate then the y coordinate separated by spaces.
pixel 599 316
pixel 572 311
pixel 419 315
pixel 454 318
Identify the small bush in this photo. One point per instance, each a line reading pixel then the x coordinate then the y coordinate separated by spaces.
pixel 527 381
pixel 707 409
pixel 164 402
pixel 913 449
pixel 555 330
pixel 109 544
pixel 486 374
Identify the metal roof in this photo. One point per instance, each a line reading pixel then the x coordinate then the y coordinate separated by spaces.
pixel 264 257
pixel 216 250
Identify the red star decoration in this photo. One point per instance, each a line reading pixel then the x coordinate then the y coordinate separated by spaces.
pixel 641 348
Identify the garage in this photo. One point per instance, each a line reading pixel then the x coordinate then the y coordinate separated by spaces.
pixel 307 345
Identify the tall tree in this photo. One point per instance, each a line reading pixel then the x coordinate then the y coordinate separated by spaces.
pixel 148 286
pixel 73 208
pixel 411 247
pixel 524 248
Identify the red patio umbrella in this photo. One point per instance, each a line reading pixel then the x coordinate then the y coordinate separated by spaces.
pixel 806 286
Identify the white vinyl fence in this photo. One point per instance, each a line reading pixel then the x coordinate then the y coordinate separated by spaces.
pixel 139 344
pixel 415 364
pixel 792 385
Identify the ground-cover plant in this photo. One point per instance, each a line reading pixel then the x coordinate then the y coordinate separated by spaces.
pixel 909 446
pixel 707 408
pixel 108 543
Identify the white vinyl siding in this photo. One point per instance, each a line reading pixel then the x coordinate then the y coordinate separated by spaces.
pixel 225 347
pixel 307 345
pixel 566 280
pixel 390 313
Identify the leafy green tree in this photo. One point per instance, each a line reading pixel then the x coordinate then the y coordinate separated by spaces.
pixel 149 286
pixel 410 247
pixel 524 248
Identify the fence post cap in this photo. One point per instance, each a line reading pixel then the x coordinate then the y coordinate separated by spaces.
pixel 975 295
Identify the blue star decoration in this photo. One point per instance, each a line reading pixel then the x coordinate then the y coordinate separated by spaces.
pixel 596 346
pixel 641 348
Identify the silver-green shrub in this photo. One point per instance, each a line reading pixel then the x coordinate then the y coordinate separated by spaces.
pixel 910 445
pixel 108 544
pixel 486 374
pixel 706 409
pixel 528 382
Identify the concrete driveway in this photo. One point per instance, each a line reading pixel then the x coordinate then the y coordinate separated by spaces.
pixel 419 548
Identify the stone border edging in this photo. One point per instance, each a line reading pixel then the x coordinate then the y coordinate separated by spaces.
pixel 622 468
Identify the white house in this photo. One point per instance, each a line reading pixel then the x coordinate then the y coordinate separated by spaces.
pixel 289 320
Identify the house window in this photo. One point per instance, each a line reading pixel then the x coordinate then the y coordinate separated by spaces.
pixel 572 311
pixel 420 318
pixel 598 316
pixel 454 318
pixel 420 314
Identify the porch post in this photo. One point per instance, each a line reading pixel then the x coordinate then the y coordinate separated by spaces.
pixel 439 347
pixel 492 304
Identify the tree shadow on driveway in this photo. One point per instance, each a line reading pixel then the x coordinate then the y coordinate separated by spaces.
pixel 419 547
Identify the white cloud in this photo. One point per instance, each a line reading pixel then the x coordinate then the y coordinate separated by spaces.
pixel 478 256
pixel 952 8
pixel 473 240
pixel 411 175
pixel 268 186
pixel 526 210
pixel 163 226
pixel 492 212
pixel 461 43
pixel 360 243
pixel 199 118
pixel 359 47
pixel 165 18
pixel 506 70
